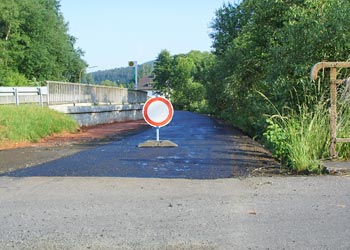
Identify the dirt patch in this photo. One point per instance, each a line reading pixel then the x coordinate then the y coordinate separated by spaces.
pixel 85 134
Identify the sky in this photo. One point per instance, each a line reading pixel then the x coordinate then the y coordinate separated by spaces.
pixel 114 32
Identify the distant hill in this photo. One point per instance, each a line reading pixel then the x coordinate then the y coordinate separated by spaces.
pixel 123 75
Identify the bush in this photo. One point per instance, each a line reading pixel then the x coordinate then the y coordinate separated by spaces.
pixel 13 79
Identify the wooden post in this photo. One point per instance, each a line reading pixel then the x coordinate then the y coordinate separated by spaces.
pixel 333 113
pixel 333 109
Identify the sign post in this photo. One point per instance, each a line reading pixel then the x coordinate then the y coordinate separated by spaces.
pixel 134 64
pixel 158 112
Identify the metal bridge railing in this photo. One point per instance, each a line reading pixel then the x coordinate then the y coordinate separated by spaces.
pixel 74 93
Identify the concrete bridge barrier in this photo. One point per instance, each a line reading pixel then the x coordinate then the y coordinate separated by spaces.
pixel 93 104
pixel 87 104
pixel 87 115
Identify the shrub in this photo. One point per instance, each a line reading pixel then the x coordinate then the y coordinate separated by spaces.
pixel 13 79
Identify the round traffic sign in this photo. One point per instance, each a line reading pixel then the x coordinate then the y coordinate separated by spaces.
pixel 158 111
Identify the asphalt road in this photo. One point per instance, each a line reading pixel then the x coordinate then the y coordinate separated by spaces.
pixel 200 207
pixel 129 213
pixel 207 150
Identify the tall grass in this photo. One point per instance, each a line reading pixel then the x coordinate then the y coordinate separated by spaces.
pixel 301 138
pixel 31 123
pixel 305 136
pixel 343 121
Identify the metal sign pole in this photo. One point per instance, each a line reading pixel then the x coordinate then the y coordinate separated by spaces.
pixel 157 112
pixel 136 83
pixel 157 134
pixel 134 64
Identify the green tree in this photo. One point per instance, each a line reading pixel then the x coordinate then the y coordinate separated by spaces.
pixel 270 47
pixel 145 69
pixel 34 42
pixel 182 77
pixel 162 71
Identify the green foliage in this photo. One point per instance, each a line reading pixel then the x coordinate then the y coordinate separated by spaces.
pixel 163 71
pixel 145 69
pixel 277 139
pixel 31 123
pixel 14 79
pixel 300 139
pixel 34 43
pixel 184 78
pixel 269 47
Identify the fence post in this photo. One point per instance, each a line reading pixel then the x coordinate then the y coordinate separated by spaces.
pixel 333 92
pixel 333 113
pixel 40 97
pixel 48 93
pixel 16 96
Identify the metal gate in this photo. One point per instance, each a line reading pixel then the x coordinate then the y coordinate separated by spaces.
pixel 333 66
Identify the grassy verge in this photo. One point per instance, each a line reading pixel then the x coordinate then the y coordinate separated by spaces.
pixel 31 123
pixel 300 139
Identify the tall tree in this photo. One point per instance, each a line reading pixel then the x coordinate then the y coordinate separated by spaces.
pixel 182 77
pixel 269 47
pixel 35 44
pixel 162 71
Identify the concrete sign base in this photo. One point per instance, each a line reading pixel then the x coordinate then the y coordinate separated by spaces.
pixel 154 143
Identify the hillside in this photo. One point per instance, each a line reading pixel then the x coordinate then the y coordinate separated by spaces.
pixel 123 75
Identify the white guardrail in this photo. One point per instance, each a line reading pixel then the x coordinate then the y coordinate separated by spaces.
pixel 10 95
pixel 60 93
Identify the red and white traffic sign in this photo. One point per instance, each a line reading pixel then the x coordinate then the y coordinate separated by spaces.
pixel 158 111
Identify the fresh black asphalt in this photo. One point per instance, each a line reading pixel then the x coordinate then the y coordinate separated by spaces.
pixel 206 149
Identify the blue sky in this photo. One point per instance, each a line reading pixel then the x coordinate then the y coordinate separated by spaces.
pixel 113 32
